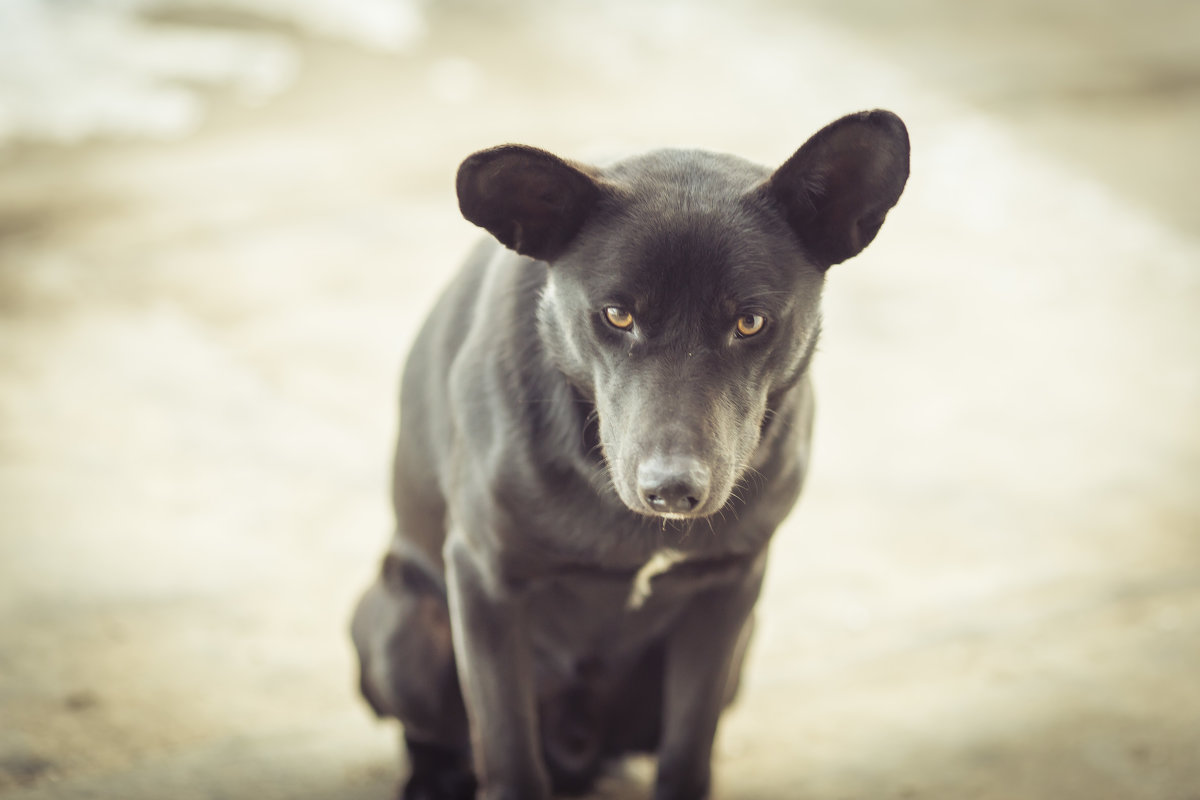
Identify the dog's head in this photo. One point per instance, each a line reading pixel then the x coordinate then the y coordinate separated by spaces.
pixel 684 288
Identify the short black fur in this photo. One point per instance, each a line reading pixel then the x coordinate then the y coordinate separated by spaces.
pixel 583 510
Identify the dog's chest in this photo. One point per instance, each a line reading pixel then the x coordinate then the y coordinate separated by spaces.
pixel 583 614
pixel 602 601
pixel 643 582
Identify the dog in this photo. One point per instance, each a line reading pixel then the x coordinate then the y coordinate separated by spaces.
pixel 603 420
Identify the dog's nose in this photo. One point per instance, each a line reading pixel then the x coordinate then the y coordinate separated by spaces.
pixel 672 484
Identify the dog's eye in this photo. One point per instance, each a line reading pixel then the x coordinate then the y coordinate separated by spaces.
pixel 750 324
pixel 618 317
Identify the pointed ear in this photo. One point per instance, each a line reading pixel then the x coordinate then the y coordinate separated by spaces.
pixel 840 184
pixel 532 201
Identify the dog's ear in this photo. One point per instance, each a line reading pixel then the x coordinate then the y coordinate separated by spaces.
pixel 840 184
pixel 532 201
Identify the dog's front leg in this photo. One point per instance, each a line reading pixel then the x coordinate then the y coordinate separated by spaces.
pixel 495 671
pixel 700 653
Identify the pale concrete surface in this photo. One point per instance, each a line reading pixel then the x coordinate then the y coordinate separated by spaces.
pixel 991 588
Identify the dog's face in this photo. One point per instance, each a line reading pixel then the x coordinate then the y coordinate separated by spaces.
pixel 684 288
pixel 681 307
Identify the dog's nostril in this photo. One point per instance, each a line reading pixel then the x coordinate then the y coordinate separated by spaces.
pixel 663 504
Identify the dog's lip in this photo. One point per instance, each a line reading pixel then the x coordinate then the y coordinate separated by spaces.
pixel 673 516
pixel 643 510
pixel 702 512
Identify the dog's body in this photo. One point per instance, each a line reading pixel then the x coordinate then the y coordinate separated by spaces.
pixel 600 433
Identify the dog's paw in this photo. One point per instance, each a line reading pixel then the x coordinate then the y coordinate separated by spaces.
pixel 438 773
pixel 447 785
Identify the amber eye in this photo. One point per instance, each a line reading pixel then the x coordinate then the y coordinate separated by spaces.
pixel 618 317
pixel 750 324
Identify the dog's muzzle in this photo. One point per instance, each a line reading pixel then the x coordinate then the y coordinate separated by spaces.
pixel 673 485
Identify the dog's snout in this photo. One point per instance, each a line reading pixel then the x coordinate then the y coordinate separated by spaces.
pixel 673 484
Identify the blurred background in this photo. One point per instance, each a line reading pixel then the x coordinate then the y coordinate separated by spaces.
pixel 221 222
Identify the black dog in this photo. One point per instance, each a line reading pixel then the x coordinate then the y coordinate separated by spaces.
pixel 600 433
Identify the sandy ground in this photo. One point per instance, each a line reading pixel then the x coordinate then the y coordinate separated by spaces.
pixel 992 586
